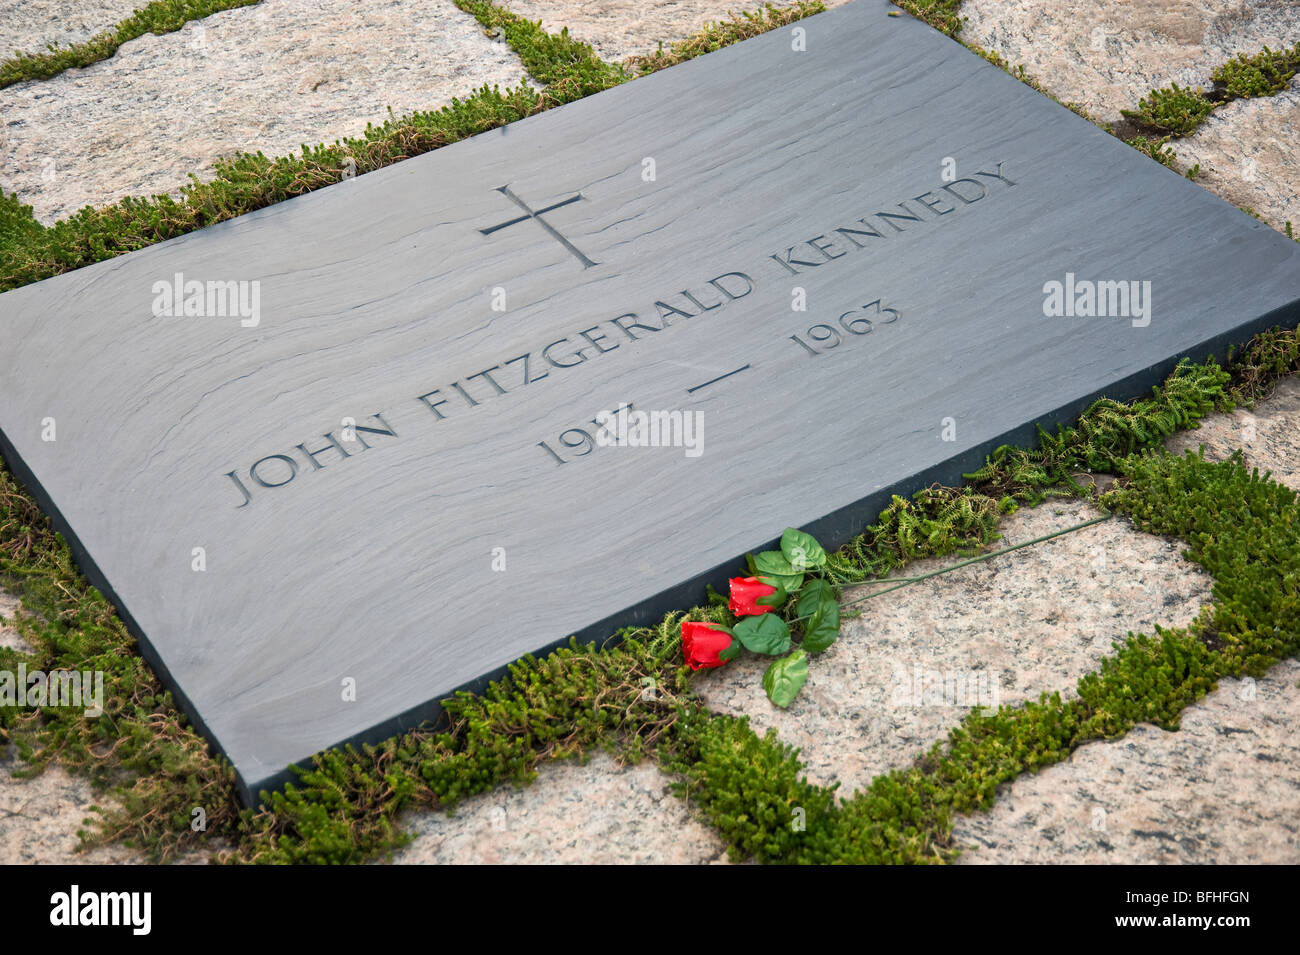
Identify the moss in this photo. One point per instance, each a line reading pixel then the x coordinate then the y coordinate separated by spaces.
pixel 1262 74
pixel 943 15
pixel 936 521
pixel 1106 433
pixel 1175 110
pixel 556 61
pixel 17 224
pixel 624 699
pixel 750 790
pixel 1245 530
pixel 1261 363
pixel 1179 111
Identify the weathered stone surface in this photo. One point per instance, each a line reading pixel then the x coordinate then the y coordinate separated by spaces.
pixel 39 819
pixel 28 26
pixel 997 632
pixel 1249 153
pixel 354 586
pixel 593 814
pixel 269 77
pixel 1107 56
pixel 40 816
pixel 1268 435
pixel 1223 789
pixel 8 633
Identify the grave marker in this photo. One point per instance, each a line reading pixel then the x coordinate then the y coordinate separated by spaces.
pixel 380 412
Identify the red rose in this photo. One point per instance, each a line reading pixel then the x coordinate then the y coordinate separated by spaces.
pixel 701 644
pixel 745 592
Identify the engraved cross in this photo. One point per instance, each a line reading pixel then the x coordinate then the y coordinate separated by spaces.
pixel 536 215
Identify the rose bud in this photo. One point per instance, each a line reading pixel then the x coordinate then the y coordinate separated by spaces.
pixel 746 592
pixel 702 644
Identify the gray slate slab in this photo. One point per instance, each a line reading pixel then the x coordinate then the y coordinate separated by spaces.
pixel 376 298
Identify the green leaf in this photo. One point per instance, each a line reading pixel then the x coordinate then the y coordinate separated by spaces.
pixel 732 651
pixel 772 563
pixel 815 593
pixel 801 550
pixel 823 630
pixel 785 678
pixel 817 603
pixel 766 633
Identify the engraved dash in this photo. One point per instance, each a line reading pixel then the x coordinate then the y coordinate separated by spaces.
pixel 714 381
